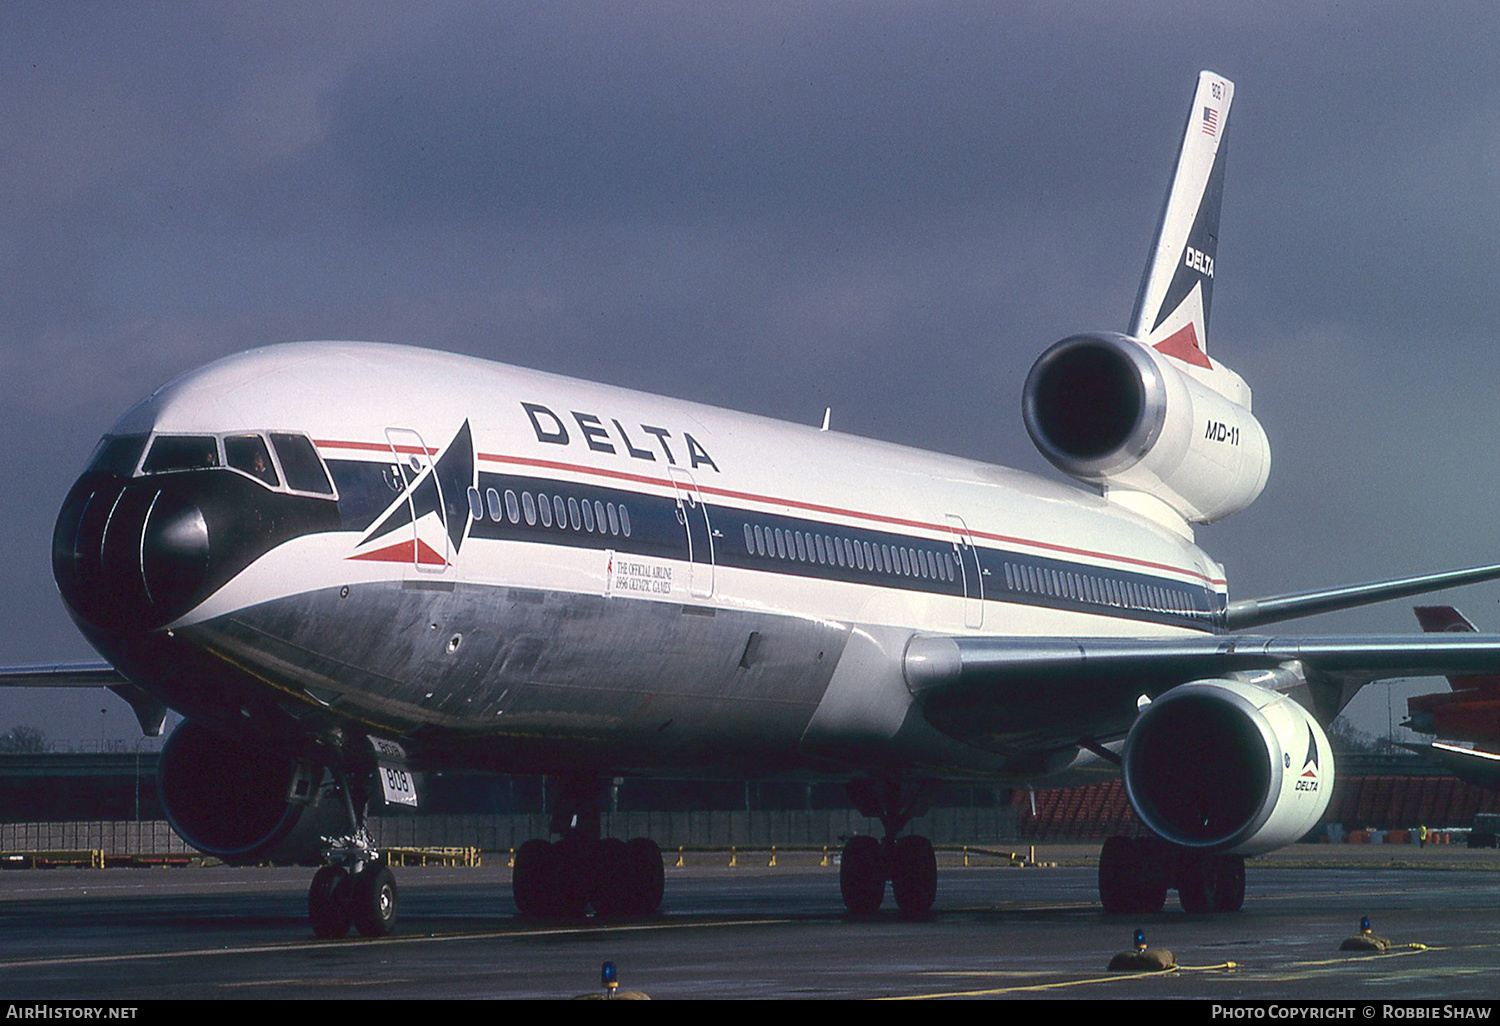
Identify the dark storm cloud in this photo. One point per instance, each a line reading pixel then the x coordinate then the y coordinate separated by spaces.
pixel 886 208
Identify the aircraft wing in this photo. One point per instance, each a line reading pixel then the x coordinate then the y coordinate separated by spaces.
pixel 151 713
pixel 1051 692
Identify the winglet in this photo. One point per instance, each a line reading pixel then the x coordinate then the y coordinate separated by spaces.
pixel 1171 309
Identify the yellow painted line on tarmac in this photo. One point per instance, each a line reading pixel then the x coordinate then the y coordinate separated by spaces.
pixel 320 983
pixel 430 938
pixel 1021 906
pixel 1030 988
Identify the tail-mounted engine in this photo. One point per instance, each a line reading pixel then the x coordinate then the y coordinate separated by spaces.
pixel 245 805
pixel 1219 765
pixel 1107 410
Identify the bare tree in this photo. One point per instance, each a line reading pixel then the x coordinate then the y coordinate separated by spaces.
pixel 23 740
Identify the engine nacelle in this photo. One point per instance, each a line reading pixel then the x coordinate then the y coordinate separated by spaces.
pixel 1218 765
pixel 1109 411
pixel 246 805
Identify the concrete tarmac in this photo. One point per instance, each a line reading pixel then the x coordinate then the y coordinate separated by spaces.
pixel 123 935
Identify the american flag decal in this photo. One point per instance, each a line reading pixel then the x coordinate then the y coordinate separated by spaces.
pixel 1210 121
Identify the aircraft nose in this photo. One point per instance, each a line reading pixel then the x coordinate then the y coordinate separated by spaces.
pixel 174 551
pixel 128 554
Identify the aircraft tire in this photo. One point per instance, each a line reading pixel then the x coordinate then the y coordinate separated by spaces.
pixel 646 875
pixel 536 878
pixel 862 874
pixel 577 856
pixel 1212 883
pixel 914 875
pixel 614 884
pixel 374 901
pixel 1233 867
pixel 328 903
pixel 1130 882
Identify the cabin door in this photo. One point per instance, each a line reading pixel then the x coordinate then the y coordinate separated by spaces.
pixel 969 572
pixel 692 514
pixel 413 460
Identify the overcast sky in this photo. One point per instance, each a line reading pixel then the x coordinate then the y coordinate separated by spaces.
pixel 887 208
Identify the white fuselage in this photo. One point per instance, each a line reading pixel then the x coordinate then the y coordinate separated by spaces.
pixel 842 547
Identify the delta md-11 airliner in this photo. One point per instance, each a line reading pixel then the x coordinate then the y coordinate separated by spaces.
pixel 347 563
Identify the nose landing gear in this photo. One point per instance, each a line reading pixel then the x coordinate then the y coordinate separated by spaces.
pixel 353 889
pixel 364 898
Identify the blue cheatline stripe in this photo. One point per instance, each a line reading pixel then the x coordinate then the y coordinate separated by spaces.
pixel 581 515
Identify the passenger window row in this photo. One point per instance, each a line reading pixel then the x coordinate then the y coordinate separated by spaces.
pixel 831 550
pixel 551 510
pixel 1102 591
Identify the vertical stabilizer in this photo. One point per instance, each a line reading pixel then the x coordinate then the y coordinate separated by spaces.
pixel 1171 310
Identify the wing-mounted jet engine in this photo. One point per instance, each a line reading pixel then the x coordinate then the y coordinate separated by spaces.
pixel 1217 769
pixel 244 805
pixel 1220 765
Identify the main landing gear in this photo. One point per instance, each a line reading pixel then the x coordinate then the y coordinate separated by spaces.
pixel 582 870
pixel 909 863
pixel 353 889
pixel 1135 874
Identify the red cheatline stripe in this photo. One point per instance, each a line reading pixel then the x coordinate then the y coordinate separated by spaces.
pixel 729 493
pixel 324 443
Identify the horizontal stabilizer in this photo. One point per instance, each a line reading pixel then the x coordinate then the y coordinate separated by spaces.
pixel 1247 613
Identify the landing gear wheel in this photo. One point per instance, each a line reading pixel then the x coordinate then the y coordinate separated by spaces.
pixel 1234 889
pixel 614 883
pixel 914 875
pixel 1198 885
pixel 1131 882
pixel 576 877
pixel 647 877
pixel 1212 883
pixel 374 901
pixel 537 878
pixel 862 875
pixel 328 904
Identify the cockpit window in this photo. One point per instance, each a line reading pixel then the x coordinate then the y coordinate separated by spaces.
pixel 299 461
pixel 118 455
pixel 248 453
pixel 181 452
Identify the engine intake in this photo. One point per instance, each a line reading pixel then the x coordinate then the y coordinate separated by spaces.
pixel 1219 765
pixel 246 805
pixel 1105 409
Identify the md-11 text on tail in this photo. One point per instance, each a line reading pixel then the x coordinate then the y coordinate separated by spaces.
pixel 347 563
